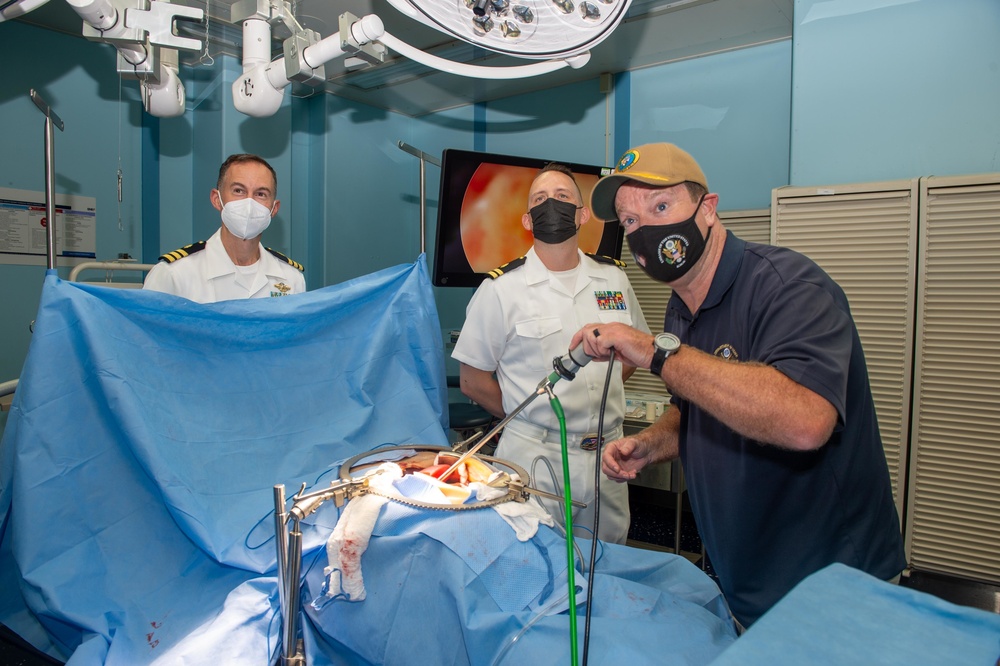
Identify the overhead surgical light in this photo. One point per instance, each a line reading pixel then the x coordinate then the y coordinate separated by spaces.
pixel 539 29
pixel 558 33
pixel 11 9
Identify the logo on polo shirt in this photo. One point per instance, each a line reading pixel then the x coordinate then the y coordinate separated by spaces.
pixel 727 352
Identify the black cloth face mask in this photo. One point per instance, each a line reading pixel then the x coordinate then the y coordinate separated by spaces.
pixel 553 221
pixel 668 251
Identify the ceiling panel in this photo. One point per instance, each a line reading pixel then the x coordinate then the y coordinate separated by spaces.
pixel 654 33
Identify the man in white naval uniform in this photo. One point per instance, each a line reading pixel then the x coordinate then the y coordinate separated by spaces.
pixel 233 264
pixel 523 317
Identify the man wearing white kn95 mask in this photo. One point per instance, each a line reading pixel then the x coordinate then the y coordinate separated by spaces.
pixel 233 264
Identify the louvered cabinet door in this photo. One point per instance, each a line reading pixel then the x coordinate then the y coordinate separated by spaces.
pixel 865 237
pixel 954 492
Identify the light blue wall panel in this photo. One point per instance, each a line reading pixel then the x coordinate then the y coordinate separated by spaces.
pixel 176 163
pixel 567 123
pixel 81 85
pixel 730 111
pixel 433 134
pixel 305 195
pixel 373 187
pixel 372 215
pixel 888 89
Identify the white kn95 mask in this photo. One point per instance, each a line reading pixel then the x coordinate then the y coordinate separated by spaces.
pixel 246 218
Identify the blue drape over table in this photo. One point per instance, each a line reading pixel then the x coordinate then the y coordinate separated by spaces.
pixel 148 431
pixel 136 494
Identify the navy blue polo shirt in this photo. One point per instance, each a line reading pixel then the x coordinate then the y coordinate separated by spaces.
pixel 769 517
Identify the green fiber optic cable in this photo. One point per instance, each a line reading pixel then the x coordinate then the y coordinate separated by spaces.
pixel 567 500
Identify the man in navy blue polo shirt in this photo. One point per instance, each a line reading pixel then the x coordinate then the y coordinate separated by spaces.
pixel 772 414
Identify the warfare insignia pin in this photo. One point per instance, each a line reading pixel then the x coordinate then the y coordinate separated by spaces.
pixel 610 300
pixel 282 289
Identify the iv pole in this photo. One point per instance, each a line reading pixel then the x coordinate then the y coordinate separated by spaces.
pixel 51 119
pixel 424 158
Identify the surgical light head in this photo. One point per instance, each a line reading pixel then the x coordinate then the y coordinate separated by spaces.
pixel 11 9
pixel 538 29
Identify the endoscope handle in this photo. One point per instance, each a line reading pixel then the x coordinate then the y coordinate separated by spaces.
pixel 568 365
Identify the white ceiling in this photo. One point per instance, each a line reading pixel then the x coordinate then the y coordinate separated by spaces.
pixel 695 27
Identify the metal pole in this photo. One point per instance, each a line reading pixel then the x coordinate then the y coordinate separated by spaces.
pixel 290 638
pixel 424 158
pixel 50 197
pixel 423 212
pixel 50 179
pixel 281 543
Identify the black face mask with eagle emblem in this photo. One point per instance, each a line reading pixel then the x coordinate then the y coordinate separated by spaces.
pixel 667 251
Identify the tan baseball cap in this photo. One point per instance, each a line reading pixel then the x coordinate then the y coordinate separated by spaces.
pixel 662 164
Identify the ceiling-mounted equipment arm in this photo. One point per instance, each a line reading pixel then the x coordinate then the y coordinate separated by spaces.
pixel 259 90
pixel 143 33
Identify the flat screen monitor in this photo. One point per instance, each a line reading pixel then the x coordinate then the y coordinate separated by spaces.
pixel 482 199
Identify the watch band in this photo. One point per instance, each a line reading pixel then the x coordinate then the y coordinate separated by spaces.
pixel 659 356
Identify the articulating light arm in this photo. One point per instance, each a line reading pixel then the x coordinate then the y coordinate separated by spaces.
pixel 260 89
pixel 477 71
pixel 143 33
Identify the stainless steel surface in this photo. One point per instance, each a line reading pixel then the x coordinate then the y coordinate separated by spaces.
pixel 424 158
pixel 653 34
pixel 281 543
pixel 289 635
pixel 552 496
pixel 50 193
pixel 109 267
pixel 8 387
pixel 51 120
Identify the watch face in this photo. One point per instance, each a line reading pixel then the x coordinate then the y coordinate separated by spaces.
pixel 667 341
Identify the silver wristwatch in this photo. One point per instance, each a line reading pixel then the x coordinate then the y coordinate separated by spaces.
pixel 664 345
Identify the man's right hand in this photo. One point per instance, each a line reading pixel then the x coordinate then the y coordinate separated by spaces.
pixel 623 458
pixel 632 346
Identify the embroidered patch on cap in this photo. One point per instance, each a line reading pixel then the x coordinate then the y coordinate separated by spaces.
pixel 628 160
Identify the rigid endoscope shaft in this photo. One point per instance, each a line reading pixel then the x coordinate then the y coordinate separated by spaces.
pixel 565 366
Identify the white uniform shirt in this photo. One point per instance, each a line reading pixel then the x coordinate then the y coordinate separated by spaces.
pixel 209 275
pixel 517 323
